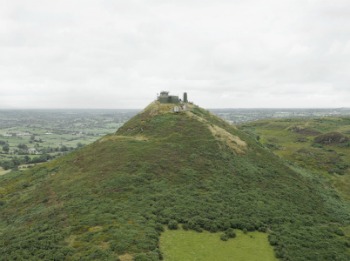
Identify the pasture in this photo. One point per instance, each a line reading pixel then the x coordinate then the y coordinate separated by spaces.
pixel 177 245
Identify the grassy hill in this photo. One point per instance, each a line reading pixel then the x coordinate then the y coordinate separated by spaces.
pixel 112 198
pixel 319 145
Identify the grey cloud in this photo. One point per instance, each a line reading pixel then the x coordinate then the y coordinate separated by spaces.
pixel 113 54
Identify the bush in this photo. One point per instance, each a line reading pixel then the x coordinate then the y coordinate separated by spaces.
pixel 141 257
pixel 159 227
pixel 213 228
pixel 262 229
pixel 339 232
pixel 273 240
pixel 347 244
pixel 198 228
pixel 279 253
pixel 224 237
pixel 230 233
pixel 173 224
pixel 185 226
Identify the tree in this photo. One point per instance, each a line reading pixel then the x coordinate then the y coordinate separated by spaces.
pixel 22 146
pixel 26 158
pixel 80 145
pixel 7 165
pixel 64 148
pixel 6 148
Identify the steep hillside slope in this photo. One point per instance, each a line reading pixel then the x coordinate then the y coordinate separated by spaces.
pixel 113 197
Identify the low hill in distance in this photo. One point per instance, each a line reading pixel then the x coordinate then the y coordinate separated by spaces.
pixel 318 145
pixel 113 198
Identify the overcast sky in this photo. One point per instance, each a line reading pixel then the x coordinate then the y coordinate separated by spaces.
pixel 224 53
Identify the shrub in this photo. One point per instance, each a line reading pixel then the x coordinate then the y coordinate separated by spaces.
pixel 273 240
pixel 230 233
pixel 198 228
pixel 213 228
pixel 339 232
pixel 141 257
pixel 224 237
pixel 347 244
pixel 185 226
pixel 173 224
pixel 279 253
pixel 159 227
pixel 262 229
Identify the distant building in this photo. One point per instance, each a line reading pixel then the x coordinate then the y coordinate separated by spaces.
pixel 32 151
pixel 164 97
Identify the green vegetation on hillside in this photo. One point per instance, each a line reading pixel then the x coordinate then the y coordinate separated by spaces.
pixel 180 245
pixel 319 145
pixel 113 197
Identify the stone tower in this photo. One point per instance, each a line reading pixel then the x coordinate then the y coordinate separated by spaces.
pixel 185 100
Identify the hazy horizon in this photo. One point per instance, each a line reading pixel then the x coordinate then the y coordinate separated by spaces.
pixel 213 108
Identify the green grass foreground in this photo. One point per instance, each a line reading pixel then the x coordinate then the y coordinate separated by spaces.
pixel 178 245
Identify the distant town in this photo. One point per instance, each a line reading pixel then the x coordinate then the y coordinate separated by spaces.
pixel 237 116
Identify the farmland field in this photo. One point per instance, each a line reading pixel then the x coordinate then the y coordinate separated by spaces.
pixel 33 136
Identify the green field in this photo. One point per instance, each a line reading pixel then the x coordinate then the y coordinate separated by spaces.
pixel 178 245
pixel 2 171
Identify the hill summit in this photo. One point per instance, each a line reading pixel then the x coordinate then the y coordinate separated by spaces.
pixel 166 167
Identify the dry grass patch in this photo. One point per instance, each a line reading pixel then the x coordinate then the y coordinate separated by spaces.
pixel 126 257
pixel 71 240
pixel 156 108
pixel 3 172
pixel 121 137
pixel 104 245
pixel 232 141
pixel 95 229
